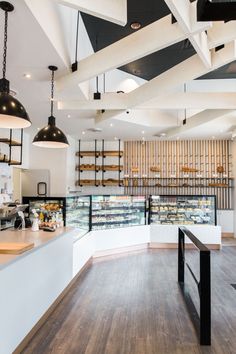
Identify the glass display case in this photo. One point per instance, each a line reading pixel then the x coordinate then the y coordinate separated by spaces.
pixel 116 211
pixel 48 208
pixel 182 210
pixel 78 212
pixel 73 211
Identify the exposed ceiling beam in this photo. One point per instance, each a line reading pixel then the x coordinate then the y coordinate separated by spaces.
pixel 221 33
pixel 128 50
pixel 178 100
pixel 183 12
pixel 113 11
pixel 125 51
pixel 187 70
pixel 197 120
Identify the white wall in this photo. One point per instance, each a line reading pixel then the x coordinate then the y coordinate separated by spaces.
pixel 225 218
pixel 54 160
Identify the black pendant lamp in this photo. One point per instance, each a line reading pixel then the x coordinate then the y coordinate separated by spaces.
pixel 51 136
pixel 12 114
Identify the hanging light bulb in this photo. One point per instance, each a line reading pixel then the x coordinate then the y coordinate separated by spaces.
pixel 51 136
pixel 12 113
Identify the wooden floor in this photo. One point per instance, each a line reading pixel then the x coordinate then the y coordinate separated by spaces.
pixel 132 305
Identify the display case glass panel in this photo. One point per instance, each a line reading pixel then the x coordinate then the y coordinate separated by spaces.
pixel 49 209
pixel 78 213
pixel 182 210
pixel 115 211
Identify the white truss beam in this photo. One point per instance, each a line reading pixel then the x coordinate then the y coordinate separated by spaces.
pixel 178 100
pixel 221 33
pixel 124 51
pixel 187 70
pixel 197 120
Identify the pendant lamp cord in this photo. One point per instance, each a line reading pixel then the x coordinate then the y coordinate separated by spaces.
pixel 77 38
pixel 5 47
pixel 52 93
pixel 185 111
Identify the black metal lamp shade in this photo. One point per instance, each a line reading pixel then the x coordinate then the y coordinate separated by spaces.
pixel 12 113
pixel 51 136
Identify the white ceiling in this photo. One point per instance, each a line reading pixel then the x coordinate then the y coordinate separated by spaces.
pixel 34 43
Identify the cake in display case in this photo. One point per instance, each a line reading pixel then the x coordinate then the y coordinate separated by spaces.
pixel 182 210
pixel 116 211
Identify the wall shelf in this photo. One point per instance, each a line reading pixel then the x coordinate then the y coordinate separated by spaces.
pixel 99 168
pixel 12 143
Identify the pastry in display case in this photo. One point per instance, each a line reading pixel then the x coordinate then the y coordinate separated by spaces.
pixel 71 211
pixel 78 212
pixel 182 210
pixel 115 211
pixel 50 210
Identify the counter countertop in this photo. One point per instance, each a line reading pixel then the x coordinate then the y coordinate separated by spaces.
pixel 39 238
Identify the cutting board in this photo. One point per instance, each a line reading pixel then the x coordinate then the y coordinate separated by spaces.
pixel 15 247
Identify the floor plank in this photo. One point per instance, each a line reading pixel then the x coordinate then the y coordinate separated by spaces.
pixel 132 305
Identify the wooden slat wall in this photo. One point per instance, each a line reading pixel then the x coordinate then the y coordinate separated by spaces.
pixel 170 157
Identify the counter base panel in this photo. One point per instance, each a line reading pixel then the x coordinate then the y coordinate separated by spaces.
pixel 187 246
pixel 44 318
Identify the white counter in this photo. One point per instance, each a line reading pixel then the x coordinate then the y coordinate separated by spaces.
pixel 32 281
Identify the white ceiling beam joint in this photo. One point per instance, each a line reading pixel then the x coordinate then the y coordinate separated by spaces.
pixel 184 11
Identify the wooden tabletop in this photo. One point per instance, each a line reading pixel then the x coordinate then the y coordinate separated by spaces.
pixel 39 238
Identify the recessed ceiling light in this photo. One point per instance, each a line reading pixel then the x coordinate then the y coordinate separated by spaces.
pixel 27 76
pixel 135 25
pixel 143 131
pixel 137 72
pixel 68 116
pixel 111 125
pixel 94 130
pixel 83 133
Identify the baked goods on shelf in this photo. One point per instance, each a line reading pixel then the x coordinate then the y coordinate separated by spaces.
pixel 189 169
pixel 218 185
pixel 220 169
pixel 112 182
pixel 88 153
pixel 87 167
pixel 134 169
pixel 115 153
pixel 88 182
pixel 112 168
pixel 155 169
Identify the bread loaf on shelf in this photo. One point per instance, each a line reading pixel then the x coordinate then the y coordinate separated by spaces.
pixel 189 169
